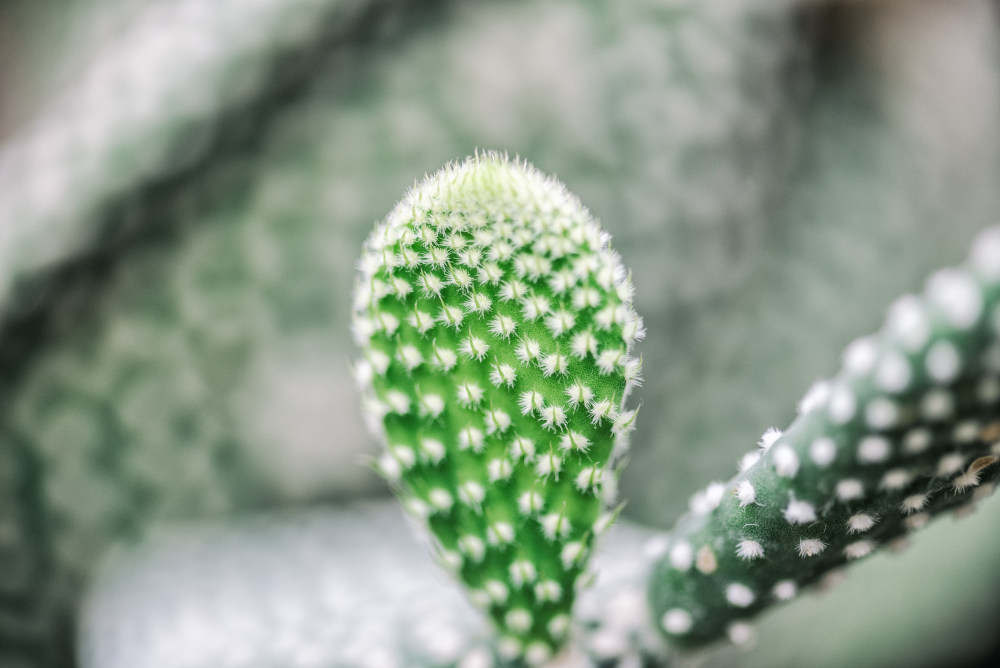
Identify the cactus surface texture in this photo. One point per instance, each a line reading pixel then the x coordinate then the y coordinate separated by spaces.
pixel 907 429
pixel 496 326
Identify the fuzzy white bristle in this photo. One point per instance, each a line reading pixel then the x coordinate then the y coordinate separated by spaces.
pixel 913 503
pixel 943 362
pixel 842 405
pixel 768 438
pixel 676 621
pixel 823 451
pixel 815 397
pixel 985 255
pixel 849 489
pixel 966 481
pixel 907 322
pixel 746 493
pixel 749 549
pixel 860 522
pixel 937 405
pixel 859 356
pixel 881 413
pixel 748 460
pixel 522 572
pixel 956 293
pixel 682 556
pixel 859 549
pixel 708 499
pixel 873 450
pixel 741 634
pixel 799 512
pixel 785 590
pixel 786 462
pixel 518 620
pixel 895 479
pixel 530 502
pixel 916 441
pixel 739 595
pixel 893 373
pixel 810 547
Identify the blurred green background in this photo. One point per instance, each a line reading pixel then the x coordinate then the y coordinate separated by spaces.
pixel 184 187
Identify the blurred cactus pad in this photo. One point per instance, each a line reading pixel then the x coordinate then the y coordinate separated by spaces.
pixel 184 190
pixel 908 429
pixel 497 328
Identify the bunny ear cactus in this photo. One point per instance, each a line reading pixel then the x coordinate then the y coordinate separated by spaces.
pixel 496 328
pixel 907 429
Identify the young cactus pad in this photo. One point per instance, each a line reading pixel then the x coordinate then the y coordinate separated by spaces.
pixel 496 326
pixel 909 428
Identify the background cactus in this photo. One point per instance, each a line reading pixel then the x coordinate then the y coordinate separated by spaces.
pixel 496 326
pixel 92 144
pixel 906 430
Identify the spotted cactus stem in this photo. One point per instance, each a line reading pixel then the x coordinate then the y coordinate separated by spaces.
pixel 907 429
pixel 496 328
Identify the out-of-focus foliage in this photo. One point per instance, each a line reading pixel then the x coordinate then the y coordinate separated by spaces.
pixel 329 595
pixel 774 174
pixel 326 593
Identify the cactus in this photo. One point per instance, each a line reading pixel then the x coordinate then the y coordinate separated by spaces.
pixel 155 106
pixel 906 430
pixel 496 326
pixel 497 377
pixel 228 279
pixel 93 457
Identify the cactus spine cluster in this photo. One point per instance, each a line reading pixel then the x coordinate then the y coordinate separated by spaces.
pixel 496 326
pixel 907 429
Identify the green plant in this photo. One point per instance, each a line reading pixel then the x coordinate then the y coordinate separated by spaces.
pixel 497 325
pixel 906 430
pixel 172 388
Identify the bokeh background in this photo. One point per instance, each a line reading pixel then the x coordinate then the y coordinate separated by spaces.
pixel 184 187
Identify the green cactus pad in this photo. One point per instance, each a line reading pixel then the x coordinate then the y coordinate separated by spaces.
pixel 496 326
pixel 907 429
